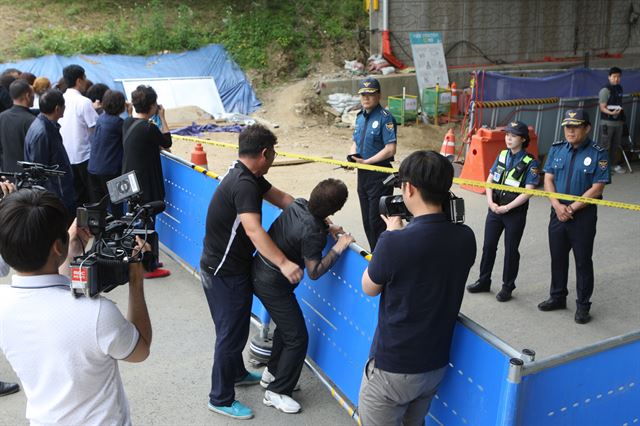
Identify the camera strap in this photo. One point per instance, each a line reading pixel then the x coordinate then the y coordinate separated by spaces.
pixel 130 129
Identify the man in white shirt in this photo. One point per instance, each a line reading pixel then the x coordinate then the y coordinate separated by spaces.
pixel 75 127
pixel 63 349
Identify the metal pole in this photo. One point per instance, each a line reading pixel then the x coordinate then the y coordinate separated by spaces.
pixel 436 112
pixel 507 410
pixel 528 355
pixel 613 342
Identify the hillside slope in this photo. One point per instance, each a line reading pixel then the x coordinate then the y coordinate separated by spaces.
pixel 270 39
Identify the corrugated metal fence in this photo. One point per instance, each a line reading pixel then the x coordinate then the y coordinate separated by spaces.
pixel 545 115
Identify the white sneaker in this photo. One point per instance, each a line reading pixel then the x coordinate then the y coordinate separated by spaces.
pixel 284 403
pixel 619 169
pixel 267 378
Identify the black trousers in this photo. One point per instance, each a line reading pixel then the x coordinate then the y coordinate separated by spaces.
pixel 81 183
pixel 370 189
pixel 99 190
pixel 577 235
pixel 229 300
pixel 290 338
pixel 512 224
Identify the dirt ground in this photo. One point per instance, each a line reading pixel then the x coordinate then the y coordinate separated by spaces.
pixel 305 134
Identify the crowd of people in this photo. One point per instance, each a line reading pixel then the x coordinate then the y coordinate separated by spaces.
pixel 75 126
pixel 420 286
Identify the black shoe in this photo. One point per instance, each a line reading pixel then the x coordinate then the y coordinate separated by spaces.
pixel 552 304
pixel 504 295
pixel 8 388
pixel 478 287
pixel 582 316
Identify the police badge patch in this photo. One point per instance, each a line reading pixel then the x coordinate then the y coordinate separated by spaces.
pixel 389 126
pixel 603 164
pixel 534 171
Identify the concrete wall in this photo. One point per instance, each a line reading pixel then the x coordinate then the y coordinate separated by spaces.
pixel 512 30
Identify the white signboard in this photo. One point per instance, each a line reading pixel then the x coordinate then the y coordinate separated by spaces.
pixel 181 91
pixel 428 58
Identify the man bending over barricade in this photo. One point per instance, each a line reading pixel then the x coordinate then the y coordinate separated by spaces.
pixel 233 232
pixel 301 233
pixel 65 350
pixel 420 272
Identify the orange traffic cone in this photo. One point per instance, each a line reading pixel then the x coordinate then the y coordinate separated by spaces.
pixel 454 101
pixel 198 156
pixel 448 149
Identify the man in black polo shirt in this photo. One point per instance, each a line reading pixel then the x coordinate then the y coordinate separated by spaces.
pixel 420 271
pixel 233 232
pixel 14 124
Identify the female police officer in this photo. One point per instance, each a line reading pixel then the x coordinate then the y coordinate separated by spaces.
pixel 507 210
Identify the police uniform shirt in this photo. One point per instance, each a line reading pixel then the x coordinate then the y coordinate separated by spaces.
pixel 532 176
pixel 227 248
pixel 373 131
pixel 576 170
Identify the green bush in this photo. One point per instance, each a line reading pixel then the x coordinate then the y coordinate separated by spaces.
pixel 286 35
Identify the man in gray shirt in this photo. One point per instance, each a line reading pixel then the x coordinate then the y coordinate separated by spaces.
pixel 612 118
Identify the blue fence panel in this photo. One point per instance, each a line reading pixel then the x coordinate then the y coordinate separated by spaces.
pixel 470 393
pixel 181 226
pixel 340 318
pixel 603 388
pixel 341 321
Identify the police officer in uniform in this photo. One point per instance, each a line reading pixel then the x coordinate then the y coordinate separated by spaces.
pixel 507 210
pixel 374 143
pixel 612 118
pixel 576 166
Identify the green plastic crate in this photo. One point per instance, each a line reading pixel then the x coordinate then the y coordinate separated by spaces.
pixel 429 101
pixel 394 104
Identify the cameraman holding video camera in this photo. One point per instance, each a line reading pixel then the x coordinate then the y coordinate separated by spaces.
pixel 63 349
pixel 420 272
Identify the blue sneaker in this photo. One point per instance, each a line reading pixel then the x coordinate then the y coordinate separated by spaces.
pixel 235 411
pixel 249 379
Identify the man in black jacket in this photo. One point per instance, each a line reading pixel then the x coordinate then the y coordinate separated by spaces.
pixel 14 124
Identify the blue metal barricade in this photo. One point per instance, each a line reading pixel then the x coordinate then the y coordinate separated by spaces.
pixel 486 383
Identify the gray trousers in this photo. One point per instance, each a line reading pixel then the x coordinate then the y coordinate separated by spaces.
pixel 396 399
pixel 611 139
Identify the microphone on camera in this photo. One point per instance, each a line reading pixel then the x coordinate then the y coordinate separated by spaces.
pixel 154 207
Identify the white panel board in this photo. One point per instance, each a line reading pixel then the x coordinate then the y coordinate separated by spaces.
pixel 428 58
pixel 176 92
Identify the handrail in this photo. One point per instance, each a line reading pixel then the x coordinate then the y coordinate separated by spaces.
pixel 555 360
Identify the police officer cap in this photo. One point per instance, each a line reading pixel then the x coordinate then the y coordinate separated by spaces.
pixel 368 85
pixel 517 128
pixel 576 117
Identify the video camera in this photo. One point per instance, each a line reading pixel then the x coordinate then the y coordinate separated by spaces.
pixel 33 175
pixel 393 205
pixel 106 265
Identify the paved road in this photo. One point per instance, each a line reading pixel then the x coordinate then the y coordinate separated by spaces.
pixel 617 273
pixel 171 387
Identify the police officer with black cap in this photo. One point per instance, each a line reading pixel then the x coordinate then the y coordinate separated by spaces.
pixel 576 166
pixel 507 210
pixel 374 143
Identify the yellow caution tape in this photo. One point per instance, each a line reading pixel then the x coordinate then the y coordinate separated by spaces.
pixel 482 184
pixel 298 156
pixel 540 193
